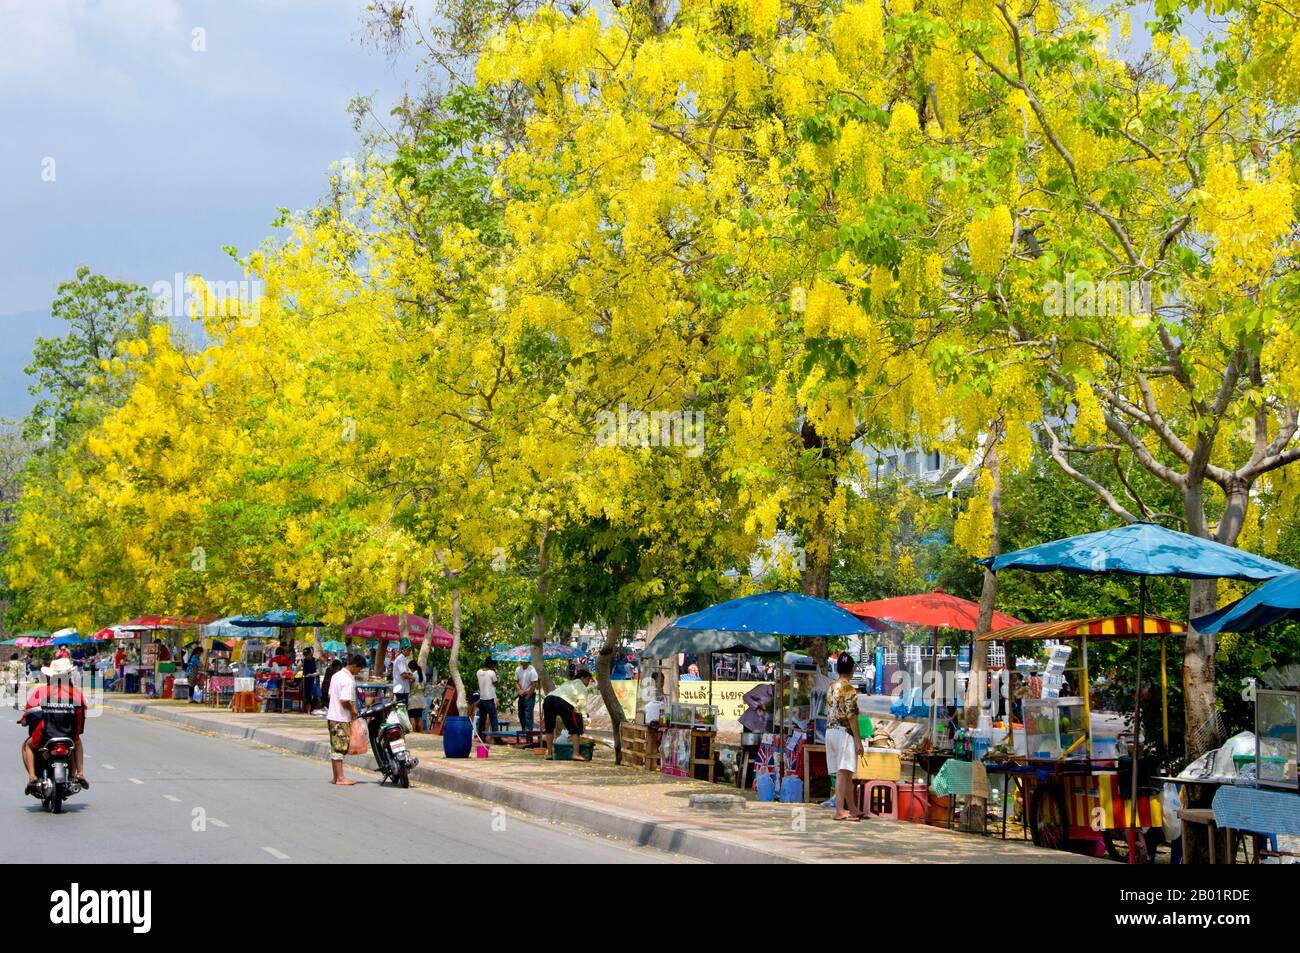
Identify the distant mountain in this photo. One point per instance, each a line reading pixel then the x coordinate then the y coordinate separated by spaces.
pixel 17 334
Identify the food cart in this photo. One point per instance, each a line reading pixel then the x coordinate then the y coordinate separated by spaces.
pixel 1071 784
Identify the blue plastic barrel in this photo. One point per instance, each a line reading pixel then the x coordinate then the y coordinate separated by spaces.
pixel 457 736
pixel 791 789
pixel 766 787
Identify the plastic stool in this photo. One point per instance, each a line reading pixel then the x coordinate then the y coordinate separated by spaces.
pixel 880 799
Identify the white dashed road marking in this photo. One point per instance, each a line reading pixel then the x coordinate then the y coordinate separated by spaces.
pixel 275 853
pixel 135 780
pixel 173 798
pixel 109 767
pixel 216 823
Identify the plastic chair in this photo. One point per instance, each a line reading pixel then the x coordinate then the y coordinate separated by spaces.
pixel 880 799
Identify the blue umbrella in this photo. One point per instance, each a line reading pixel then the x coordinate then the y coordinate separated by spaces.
pixel 1142 550
pixel 1275 601
pixel 71 638
pixel 754 624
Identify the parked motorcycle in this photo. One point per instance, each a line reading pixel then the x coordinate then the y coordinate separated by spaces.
pixel 388 742
pixel 53 765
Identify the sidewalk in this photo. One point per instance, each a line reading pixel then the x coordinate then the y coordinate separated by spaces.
pixel 631 805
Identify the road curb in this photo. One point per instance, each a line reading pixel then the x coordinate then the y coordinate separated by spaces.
pixel 666 836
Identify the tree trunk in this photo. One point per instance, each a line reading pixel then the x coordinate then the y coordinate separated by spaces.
pixel 979 657
pixel 604 664
pixel 539 619
pixel 462 705
pixel 1199 708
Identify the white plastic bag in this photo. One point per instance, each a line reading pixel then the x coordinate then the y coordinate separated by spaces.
pixel 1170 804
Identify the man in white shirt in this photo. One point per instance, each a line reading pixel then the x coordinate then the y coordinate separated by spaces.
pixel 487 699
pixel 342 710
pixel 402 674
pixel 526 686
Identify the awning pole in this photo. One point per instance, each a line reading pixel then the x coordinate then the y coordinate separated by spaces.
pixel 1087 699
pixel 778 711
pixel 1137 724
pixel 1164 697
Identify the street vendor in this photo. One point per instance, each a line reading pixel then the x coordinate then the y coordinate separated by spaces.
pixel 568 704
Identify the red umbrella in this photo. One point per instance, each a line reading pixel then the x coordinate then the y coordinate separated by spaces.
pixel 935 609
pixel 387 628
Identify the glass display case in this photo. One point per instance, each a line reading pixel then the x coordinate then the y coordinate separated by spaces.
pixel 1056 728
pixel 693 716
pixel 1275 737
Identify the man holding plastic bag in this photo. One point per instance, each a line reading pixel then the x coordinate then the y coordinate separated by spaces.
pixel 347 730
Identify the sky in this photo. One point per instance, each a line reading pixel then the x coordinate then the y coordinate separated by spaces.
pixel 131 143
pixel 139 137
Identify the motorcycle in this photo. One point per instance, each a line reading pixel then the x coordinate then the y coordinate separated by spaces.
pixel 53 766
pixel 388 742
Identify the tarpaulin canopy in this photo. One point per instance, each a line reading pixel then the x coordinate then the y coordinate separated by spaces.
pixel 1100 629
pixel 932 609
pixel 1275 601
pixel 522 653
pixel 1141 549
pixel 227 629
pixel 754 624
pixel 389 628
pixel 275 618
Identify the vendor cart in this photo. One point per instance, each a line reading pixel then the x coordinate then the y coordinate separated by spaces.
pixel 1074 789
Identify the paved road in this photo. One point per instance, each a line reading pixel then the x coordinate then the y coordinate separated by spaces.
pixel 163 794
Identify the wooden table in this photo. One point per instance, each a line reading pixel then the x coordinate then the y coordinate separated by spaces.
pixel 1203 816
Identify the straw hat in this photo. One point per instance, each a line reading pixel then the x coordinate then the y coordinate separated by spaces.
pixel 58 668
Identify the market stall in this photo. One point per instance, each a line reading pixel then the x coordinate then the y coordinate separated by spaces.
pixel 1069 782
pixel 757 625
pixel 1143 550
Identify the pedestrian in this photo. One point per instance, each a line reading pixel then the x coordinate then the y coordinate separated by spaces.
pixel 342 711
pixel 487 699
pixel 401 669
pixel 310 681
pixel 526 686
pixel 119 668
pixel 415 704
pixel 843 739
pixel 567 704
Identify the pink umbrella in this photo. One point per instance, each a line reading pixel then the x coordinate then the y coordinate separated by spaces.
pixel 27 642
pixel 387 628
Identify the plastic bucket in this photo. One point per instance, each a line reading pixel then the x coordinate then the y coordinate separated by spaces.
pixel 911 802
pixel 937 814
pixel 457 736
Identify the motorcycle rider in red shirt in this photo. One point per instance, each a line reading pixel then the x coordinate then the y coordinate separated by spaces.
pixel 64 708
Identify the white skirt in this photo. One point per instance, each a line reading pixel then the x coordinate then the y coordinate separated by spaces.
pixel 841 752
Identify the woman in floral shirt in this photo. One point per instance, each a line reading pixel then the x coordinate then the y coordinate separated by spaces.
pixel 843 740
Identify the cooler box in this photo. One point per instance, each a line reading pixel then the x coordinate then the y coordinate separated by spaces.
pixel 879 764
